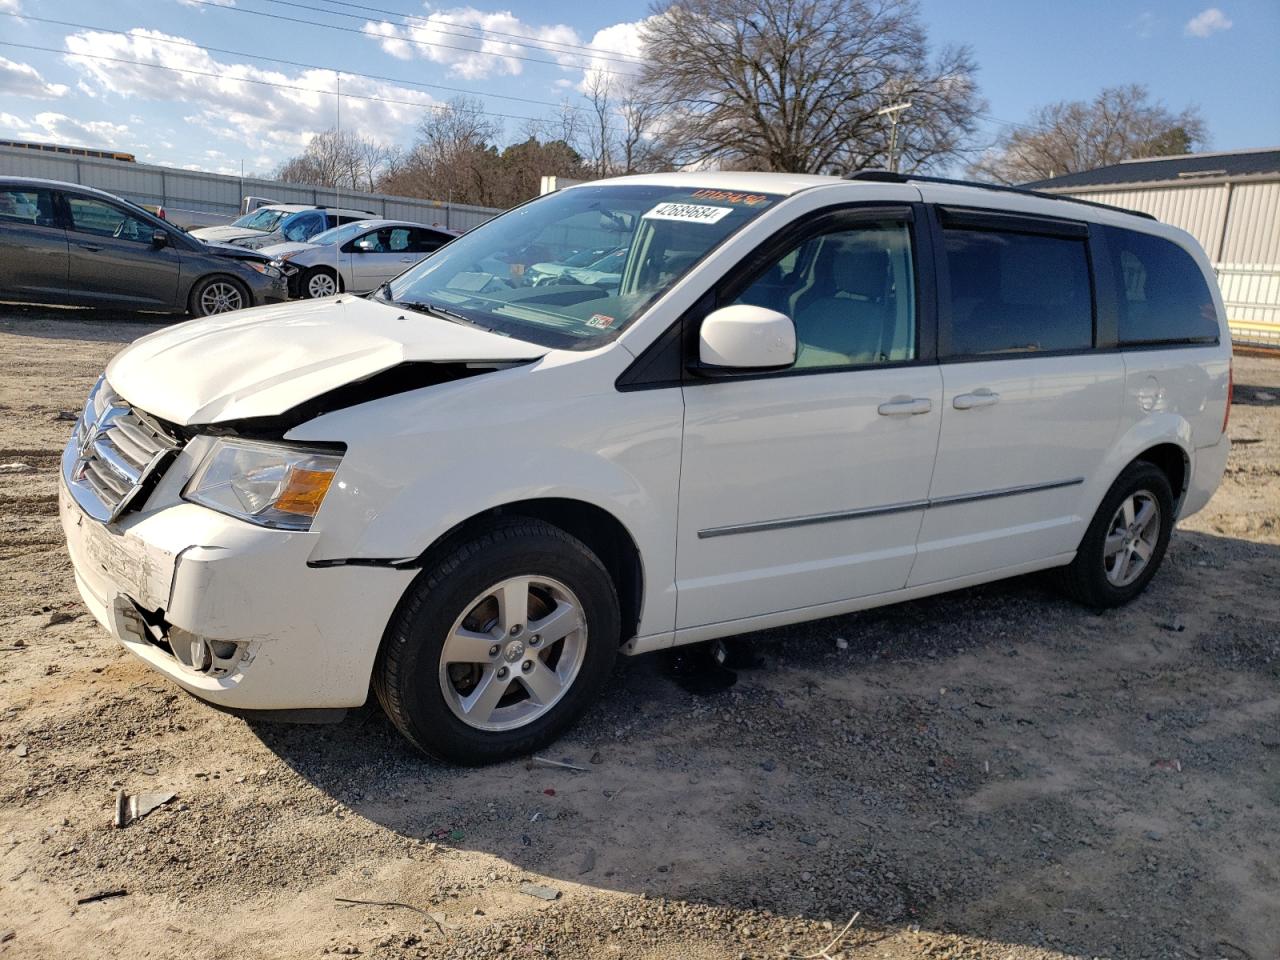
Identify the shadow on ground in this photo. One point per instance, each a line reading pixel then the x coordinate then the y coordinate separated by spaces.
pixel 995 762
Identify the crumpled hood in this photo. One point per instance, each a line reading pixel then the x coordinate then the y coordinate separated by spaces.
pixel 232 250
pixel 225 234
pixel 265 361
pixel 279 249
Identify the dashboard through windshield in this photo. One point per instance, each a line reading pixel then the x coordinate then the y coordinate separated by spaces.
pixel 575 267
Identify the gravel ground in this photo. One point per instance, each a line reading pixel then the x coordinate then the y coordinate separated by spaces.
pixel 994 773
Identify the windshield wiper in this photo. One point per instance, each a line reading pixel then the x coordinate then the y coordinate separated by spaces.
pixel 435 310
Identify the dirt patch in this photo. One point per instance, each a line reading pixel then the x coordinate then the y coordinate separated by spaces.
pixel 993 773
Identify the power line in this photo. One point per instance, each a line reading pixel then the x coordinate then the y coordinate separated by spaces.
pixel 361 33
pixel 291 63
pixel 481 32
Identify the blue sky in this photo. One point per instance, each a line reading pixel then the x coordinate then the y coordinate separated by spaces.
pixel 1224 57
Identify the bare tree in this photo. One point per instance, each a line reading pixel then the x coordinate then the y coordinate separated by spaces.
pixel 638 150
pixel 1120 123
pixel 599 134
pixel 795 85
pixel 335 158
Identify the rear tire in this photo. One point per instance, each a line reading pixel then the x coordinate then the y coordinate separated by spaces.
pixel 320 282
pixel 1126 540
pixel 460 674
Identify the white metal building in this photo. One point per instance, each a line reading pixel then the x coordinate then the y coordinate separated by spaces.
pixel 1230 202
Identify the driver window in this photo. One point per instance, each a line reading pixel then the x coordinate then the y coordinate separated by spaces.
pixel 850 293
pixel 104 220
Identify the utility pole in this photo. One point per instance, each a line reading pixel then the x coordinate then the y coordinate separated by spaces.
pixel 893 113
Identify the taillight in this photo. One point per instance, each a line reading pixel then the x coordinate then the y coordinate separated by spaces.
pixel 1231 383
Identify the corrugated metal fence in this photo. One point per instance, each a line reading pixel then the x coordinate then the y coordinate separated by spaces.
pixel 1238 224
pixel 215 197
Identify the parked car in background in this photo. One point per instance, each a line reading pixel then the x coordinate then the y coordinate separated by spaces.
pixel 63 243
pixel 280 223
pixel 356 258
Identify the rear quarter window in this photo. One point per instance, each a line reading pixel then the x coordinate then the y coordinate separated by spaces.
pixel 1162 294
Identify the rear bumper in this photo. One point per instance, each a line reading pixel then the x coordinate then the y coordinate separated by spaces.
pixel 304 637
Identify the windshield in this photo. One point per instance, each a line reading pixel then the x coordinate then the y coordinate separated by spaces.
pixel 338 234
pixel 519 274
pixel 264 219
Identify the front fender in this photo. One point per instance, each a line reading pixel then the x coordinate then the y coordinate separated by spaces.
pixel 419 464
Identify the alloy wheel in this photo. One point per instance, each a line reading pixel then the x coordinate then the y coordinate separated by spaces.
pixel 221 296
pixel 513 653
pixel 1131 538
pixel 322 285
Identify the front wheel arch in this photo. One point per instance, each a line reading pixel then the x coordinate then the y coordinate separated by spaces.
pixel 601 531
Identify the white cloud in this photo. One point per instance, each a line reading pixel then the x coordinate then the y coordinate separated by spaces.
pixel 449 39
pixel 227 100
pixel 1207 22
pixel 11 6
pixel 205 5
pixel 617 42
pixel 52 127
pixel 24 80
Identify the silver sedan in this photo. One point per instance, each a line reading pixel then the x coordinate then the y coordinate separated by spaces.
pixel 356 257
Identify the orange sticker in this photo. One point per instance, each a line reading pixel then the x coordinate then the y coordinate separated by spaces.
pixel 600 320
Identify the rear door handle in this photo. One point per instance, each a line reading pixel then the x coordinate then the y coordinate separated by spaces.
pixel 979 398
pixel 904 407
pixel 406 259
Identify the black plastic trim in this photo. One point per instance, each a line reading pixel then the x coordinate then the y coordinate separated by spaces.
pixel 980 218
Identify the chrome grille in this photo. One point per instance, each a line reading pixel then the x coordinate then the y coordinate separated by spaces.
pixel 113 452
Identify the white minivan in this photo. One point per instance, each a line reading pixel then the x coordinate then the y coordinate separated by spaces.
pixel 797 397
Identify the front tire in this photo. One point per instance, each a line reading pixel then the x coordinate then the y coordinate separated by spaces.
pixel 214 295
pixel 497 648
pixel 1126 540
pixel 320 282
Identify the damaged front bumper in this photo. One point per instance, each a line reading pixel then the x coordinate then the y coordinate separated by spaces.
pixel 230 611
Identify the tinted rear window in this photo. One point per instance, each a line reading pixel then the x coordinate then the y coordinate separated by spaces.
pixel 1162 296
pixel 1017 293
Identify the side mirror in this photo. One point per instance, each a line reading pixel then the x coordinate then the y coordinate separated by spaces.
pixel 745 337
pixel 159 239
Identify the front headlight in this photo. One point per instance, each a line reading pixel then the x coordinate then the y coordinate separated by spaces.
pixel 262 266
pixel 270 484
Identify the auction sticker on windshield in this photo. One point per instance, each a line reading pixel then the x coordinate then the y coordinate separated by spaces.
pixel 688 212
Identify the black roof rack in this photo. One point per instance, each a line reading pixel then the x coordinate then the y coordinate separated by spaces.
pixel 888 176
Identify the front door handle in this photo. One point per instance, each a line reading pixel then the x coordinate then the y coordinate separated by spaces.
pixel 91 247
pixel 904 407
pixel 406 259
pixel 979 398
